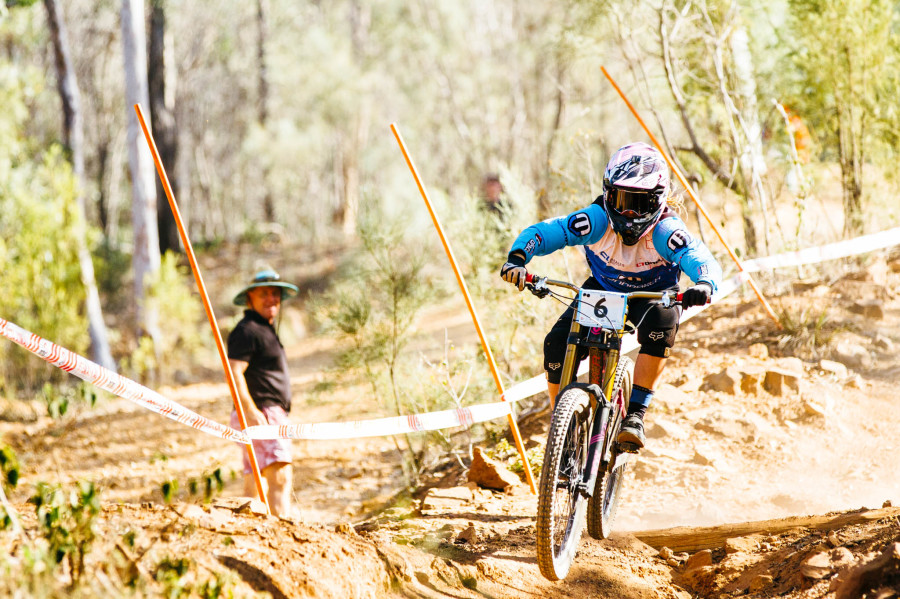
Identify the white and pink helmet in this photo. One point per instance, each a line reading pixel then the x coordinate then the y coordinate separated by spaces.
pixel 636 185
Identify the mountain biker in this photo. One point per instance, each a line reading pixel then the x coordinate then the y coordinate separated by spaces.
pixel 632 242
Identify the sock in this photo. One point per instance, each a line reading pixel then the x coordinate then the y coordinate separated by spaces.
pixel 640 400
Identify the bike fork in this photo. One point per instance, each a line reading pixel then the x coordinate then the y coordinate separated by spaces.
pixel 595 447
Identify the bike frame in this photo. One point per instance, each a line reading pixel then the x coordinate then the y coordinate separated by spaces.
pixel 604 346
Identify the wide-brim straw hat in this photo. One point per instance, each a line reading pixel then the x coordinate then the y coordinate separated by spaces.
pixel 266 278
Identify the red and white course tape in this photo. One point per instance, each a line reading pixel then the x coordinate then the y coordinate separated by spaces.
pixel 115 383
pixel 153 401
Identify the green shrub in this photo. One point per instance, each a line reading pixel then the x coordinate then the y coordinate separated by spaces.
pixel 66 519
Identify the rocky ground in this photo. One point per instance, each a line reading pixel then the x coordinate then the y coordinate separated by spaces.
pixel 770 471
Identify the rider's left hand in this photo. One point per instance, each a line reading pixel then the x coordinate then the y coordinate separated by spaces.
pixel 698 295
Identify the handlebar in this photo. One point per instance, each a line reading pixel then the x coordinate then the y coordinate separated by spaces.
pixel 538 286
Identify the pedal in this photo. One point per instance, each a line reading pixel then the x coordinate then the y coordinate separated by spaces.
pixel 628 447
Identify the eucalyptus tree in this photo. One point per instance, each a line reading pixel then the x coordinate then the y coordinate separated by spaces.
pixel 73 134
pixel 847 55
pixel 145 258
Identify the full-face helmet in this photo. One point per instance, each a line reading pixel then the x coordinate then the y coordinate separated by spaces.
pixel 636 185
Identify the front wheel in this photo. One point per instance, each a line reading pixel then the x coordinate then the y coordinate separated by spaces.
pixel 560 514
pixel 604 502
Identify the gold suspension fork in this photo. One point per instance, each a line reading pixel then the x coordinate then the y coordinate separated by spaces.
pixel 568 369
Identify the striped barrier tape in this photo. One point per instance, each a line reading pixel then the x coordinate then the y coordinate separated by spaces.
pixel 115 383
pixel 381 427
pixel 831 251
pixel 153 401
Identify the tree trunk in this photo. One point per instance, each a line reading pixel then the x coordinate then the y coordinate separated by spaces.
pixel 161 89
pixel 851 171
pixel 262 102
pixel 752 157
pixel 73 136
pixel 145 258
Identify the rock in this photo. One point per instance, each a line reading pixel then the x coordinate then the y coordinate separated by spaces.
pixel 860 580
pixel 344 528
pixel 833 539
pixel 491 474
pixel 778 381
pixel 704 457
pixel 869 308
pixel 813 408
pixel 468 535
pixel 824 563
pixel 673 562
pixel 726 381
pixel 751 382
pixel 662 428
pixel 760 582
pixel 887 503
pixel 832 367
pixel 817 566
pixel 741 544
pixel 853 355
pixel 665 553
pixel 759 351
pixel 447 499
pixel 883 342
pixel 699 560
pixel 855 382
pixel 792 364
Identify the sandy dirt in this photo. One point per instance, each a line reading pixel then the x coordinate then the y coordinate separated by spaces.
pixel 726 445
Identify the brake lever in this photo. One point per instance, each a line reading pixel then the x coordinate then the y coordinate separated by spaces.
pixel 540 292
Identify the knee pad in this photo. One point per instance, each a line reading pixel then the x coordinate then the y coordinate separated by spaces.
pixel 657 331
pixel 554 354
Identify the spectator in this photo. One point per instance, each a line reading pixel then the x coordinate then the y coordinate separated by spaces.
pixel 260 370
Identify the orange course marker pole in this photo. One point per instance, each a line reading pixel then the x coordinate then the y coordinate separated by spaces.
pixel 229 376
pixel 690 192
pixel 513 425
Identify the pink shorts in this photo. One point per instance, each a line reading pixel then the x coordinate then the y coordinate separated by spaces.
pixel 268 451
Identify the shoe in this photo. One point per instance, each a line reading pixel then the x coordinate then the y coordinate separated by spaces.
pixel 632 431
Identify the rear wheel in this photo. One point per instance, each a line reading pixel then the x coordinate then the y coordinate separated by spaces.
pixel 560 514
pixel 604 502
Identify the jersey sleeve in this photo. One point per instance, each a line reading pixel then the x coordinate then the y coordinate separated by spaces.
pixel 241 344
pixel 675 243
pixel 581 227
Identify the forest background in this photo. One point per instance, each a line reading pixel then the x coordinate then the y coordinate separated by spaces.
pixel 272 121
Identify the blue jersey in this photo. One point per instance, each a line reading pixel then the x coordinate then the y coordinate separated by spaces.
pixel 654 263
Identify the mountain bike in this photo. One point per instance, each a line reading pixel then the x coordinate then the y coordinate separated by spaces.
pixel 584 465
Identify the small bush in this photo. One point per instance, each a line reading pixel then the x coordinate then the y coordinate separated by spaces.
pixel 66 518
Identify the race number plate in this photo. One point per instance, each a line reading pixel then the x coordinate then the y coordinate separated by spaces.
pixel 604 309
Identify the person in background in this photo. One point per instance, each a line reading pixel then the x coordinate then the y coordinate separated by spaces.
pixel 259 365
pixel 492 193
pixel 632 241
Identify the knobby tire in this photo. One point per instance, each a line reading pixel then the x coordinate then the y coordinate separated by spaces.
pixel 604 502
pixel 560 514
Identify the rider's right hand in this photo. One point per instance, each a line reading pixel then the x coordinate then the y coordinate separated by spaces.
pixel 514 271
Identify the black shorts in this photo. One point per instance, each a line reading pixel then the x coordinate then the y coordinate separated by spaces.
pixel 656 326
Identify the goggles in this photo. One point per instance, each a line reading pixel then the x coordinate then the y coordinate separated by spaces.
pixel 632 204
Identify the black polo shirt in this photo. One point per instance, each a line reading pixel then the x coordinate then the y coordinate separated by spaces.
pixel 254 341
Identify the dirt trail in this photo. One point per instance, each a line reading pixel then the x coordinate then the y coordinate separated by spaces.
pixel 738 432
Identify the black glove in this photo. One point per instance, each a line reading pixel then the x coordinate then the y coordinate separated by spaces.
pixel 514 271
pixel 698 295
